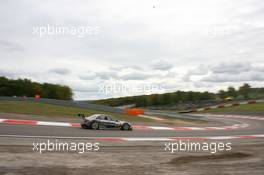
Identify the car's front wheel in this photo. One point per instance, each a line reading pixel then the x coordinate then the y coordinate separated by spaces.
pixel 95 125
pixel 125 127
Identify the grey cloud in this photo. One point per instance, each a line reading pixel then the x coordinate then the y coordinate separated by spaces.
pixel 117 73
pixel 186 78
pixel 161 64
pixel 225 72
pixel 235 72
pixel 200 84
pixel 106 75
pixel 88 76
pixel 231 68
pixel 135 76
pixel 120 68
pixel 259 68
pixel 133 73
pixel 10 46
pixel 200 70
pixel 221 78
pixel 6 74
pixel 60 71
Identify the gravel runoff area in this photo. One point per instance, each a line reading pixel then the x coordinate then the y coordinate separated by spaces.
pixel 245 158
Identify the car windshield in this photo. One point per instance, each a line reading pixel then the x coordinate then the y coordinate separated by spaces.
pixel 93 116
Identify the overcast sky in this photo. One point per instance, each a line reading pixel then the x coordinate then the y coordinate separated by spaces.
pixel 146 46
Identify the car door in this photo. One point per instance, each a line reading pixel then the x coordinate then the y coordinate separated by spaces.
pixel 111 122
pixel 101 120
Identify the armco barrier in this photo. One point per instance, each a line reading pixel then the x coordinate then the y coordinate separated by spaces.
pixel 85 105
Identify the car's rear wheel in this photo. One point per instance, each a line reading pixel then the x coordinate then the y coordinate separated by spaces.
pixel 125 127
pixel 84 126
pixel 95 125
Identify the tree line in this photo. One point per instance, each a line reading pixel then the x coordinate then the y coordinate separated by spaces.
pixel 25 87
pixel 243 92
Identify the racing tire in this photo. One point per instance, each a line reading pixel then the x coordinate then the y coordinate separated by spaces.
pixel 84 126
pixel 95 125
pixel 125 127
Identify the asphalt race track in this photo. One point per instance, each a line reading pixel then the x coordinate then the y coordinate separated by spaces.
pixel 252 126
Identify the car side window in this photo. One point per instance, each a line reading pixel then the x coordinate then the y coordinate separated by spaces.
pixel 104 118
pixel 100 118
pixel 110 118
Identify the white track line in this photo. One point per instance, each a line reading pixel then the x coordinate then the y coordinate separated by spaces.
pixel 161 128
pixel 151 117
pixel 53 123
pixel 2 120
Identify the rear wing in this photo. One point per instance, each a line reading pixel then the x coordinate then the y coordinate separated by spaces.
pixel 81 115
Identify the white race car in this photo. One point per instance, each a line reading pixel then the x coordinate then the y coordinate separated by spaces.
pixel 103 121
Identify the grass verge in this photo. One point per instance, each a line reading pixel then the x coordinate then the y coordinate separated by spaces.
pixel 43 109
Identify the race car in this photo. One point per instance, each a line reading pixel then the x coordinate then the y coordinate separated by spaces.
pixel 103 121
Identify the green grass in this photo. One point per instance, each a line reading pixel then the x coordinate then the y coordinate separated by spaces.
pixel 43 109
pixel 257 108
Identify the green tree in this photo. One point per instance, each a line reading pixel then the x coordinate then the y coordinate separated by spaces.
pixel 231 91
pixel 222 94
pixel 25 87
pixel 244 90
